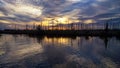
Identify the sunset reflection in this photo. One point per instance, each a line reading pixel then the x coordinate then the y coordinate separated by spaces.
pixel 59 51
pixel 61 41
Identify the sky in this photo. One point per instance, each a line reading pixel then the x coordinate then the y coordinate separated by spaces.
pixel 35 11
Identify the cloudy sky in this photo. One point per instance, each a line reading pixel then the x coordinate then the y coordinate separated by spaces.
pixel 29 11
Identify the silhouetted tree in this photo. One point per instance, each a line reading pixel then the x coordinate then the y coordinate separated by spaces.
pixel 0 35
pixel 38 27
pixel 34 26
pixel 26 27
pixel 106 26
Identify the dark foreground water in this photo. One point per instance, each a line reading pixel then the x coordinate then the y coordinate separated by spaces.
pixel 20 51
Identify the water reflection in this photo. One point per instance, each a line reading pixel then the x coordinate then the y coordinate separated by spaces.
pixel 59 52
pixel 105 40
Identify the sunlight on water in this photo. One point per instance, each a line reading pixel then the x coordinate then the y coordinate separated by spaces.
pixel 59 52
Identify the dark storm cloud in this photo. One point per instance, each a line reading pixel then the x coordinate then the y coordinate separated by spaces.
pixel 3 10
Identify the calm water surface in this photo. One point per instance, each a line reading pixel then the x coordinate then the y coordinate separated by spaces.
pixel 20 51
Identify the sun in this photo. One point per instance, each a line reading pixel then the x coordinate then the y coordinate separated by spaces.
pixel 62 20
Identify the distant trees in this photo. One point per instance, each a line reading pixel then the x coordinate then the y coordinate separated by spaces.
pixel 39 27
pixel 106 26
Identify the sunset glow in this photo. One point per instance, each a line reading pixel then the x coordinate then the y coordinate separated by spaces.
pixel 62 20
pixel 89 21
pixel 55 12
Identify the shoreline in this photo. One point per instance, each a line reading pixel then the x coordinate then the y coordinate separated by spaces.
pixel 64 32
